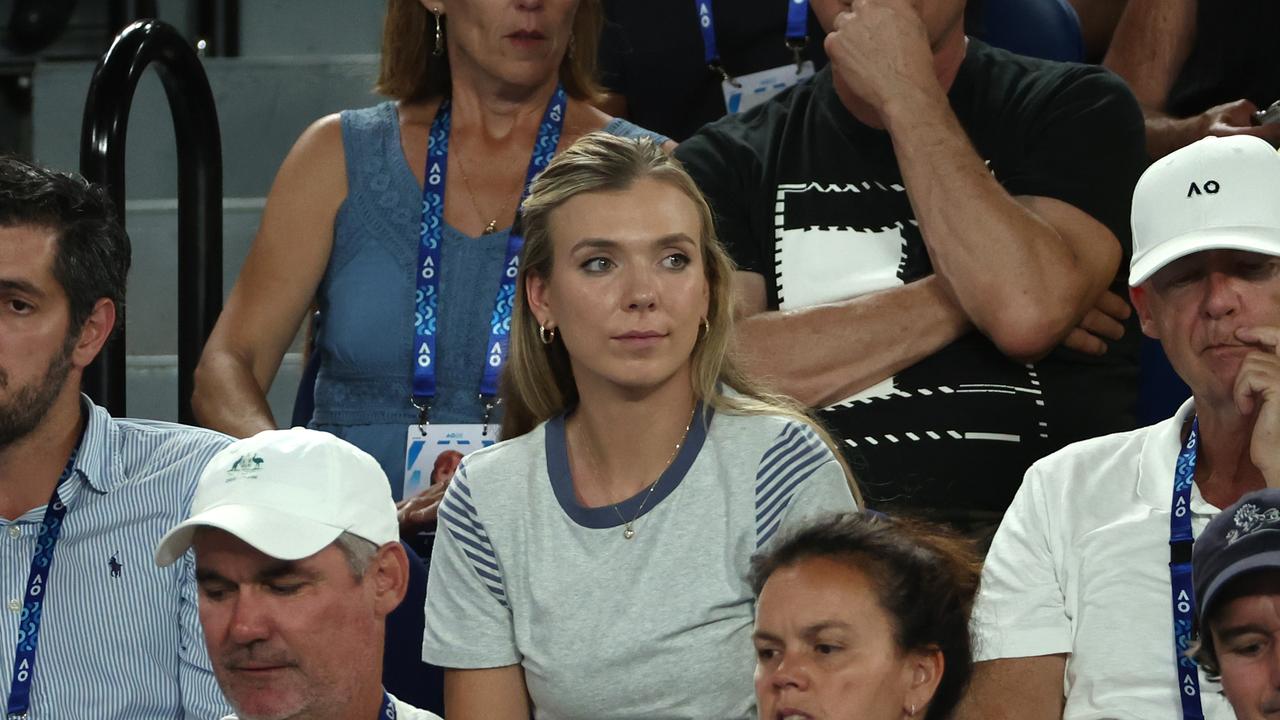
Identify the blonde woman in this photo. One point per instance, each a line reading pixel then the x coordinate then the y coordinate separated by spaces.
pixel 594 564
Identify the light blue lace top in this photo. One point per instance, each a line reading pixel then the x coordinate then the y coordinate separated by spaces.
pixel 366 299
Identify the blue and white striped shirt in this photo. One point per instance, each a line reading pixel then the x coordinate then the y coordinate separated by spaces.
pixel 120 638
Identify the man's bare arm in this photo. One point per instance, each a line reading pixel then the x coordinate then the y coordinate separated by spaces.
pixel 1025 688
pixel 1152 42
pixel 1025 270
pixel 1149 47
pixel 826 353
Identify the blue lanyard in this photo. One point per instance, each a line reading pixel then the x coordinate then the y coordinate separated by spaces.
pixel 388 708
pixel 432 229
pixel 797 32
pixel 24 658
pixel 1184 604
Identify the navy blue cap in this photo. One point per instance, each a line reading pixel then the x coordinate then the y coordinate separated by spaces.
pixel 1242 539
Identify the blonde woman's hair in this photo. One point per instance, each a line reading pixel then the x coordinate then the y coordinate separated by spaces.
pixel 409 71
pixel 538 381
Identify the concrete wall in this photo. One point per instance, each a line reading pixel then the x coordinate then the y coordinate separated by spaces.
pixel 263 104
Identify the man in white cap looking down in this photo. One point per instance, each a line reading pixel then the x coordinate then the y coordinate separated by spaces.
pixel 298 562
pixel 1086 607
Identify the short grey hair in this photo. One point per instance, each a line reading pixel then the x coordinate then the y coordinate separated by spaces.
pixel 358 551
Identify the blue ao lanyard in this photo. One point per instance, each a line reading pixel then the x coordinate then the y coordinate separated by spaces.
pixel 1183 595
pixel 427 296
pixel 388 708
pixel 24 658
pixel 797 34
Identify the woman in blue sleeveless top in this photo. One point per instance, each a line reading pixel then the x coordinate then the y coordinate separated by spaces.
pixel 343 222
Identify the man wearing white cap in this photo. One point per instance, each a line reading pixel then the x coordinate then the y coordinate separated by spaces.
pixel 298 562
pixel 1086 607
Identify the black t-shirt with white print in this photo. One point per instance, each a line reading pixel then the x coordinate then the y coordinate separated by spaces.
pixel 813 200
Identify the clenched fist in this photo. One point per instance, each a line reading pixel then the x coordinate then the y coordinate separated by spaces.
pixel 1257 393
pixel 879 49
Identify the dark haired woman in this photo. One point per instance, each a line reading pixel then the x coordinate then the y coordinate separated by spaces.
pixel 864 617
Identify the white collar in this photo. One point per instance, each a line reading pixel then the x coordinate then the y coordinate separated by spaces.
pixel 1159 455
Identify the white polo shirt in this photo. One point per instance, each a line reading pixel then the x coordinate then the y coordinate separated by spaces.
pixel 1080 565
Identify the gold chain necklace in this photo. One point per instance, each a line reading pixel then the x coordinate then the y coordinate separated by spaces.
pixel 628 526
pixel 471 195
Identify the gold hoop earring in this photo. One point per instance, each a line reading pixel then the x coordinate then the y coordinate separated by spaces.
pixel 912 712
pixel 546 335
pixel 706 327
pixel 438 49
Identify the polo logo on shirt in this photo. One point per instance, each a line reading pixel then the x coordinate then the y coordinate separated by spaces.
pixel 116 566
pixel 1211 187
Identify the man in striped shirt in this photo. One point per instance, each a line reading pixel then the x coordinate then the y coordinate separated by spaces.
pixel 89 627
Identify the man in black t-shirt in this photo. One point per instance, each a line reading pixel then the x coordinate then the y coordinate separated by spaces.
pixel 926 234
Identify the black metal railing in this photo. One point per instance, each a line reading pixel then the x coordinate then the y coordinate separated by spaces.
pixel 102 154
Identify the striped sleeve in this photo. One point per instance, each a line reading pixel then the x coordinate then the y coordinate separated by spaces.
pixel 468 615
pixel 798 479
pixel 201 697
pixel 459 515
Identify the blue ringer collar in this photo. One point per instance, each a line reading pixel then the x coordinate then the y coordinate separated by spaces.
pixel 606 516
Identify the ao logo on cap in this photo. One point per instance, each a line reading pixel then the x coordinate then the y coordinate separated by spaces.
pixel 1210 187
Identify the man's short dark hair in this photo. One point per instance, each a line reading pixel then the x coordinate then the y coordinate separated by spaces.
pixel 93 253
pixel 1204 653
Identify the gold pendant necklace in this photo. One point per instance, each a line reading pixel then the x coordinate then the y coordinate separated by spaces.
pixel 493 224
pixel 628 526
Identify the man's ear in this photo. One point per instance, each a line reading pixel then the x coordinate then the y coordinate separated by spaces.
pixel 389 573
pixel 94 333
pixel 1142 305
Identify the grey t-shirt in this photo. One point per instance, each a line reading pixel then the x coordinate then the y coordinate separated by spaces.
pixel 658 626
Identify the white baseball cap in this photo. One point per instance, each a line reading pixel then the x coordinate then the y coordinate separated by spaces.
pixel 1219 193
pixel 289 494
